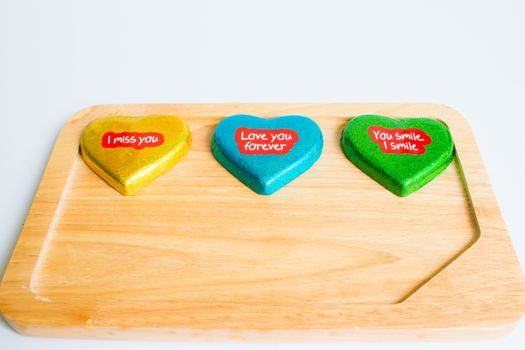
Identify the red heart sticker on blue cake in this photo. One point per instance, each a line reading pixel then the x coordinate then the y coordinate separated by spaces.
pixel 267 154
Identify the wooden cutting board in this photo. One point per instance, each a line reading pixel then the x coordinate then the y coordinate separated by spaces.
pixel 198 255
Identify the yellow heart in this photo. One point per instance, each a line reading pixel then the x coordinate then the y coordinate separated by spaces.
pixel 130 152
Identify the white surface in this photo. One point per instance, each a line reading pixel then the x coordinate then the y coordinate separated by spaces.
pixel 57 57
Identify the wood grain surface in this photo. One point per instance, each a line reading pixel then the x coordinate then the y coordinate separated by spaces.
pixel 198 255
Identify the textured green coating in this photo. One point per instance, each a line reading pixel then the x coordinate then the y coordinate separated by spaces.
pixel 402 174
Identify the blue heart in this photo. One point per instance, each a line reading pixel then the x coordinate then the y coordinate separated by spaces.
pixel 266 164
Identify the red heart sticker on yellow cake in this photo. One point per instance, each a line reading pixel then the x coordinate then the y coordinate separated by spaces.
pixel 130 152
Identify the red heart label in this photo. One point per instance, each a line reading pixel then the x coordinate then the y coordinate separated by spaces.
pixel 400 141
pixel 137 140
pixel 265 141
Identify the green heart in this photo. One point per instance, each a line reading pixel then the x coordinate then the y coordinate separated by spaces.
pixel 402 155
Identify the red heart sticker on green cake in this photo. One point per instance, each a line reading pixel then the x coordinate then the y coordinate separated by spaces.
pixel 403 155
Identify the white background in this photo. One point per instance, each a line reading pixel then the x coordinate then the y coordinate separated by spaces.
pixel 57 57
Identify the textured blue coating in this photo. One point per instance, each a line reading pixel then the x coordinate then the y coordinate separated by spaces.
pixel 267 173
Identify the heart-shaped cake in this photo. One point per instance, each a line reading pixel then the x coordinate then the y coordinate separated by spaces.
pixel 266 154
pixel 130 152
pixel 403 155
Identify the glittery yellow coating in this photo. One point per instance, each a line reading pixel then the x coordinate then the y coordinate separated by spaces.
pixel 128 169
